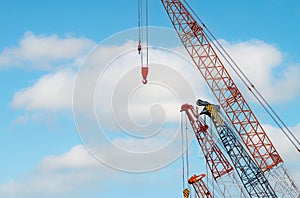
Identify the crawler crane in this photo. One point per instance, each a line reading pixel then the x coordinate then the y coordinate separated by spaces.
pixel 202 50
pixel 220 168
pixel 251 176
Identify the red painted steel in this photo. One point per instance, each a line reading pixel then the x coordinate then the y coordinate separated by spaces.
pixel 199 186
pixel 225 90
pixel 215 159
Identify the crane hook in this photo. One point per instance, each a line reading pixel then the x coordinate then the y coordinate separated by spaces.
pixel 144 81
pixel 144 74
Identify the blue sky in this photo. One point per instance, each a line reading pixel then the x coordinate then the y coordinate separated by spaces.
pixel 44 42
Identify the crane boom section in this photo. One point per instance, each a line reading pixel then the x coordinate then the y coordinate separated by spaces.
pixel 224 89
pixel 221 170
pixel 216 161
pixel 200 188
pixel 251 176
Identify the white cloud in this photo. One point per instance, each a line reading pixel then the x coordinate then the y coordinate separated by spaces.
pixel 114 91
pixel 76 157
pixel 258 59
pixel 48 118
pixel 77 174
pixel 51 92
pixel 45 52
pixel 264 65
pixel 63 175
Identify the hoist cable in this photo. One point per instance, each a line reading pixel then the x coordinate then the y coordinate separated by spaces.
pixel 187 148
pixel 147 34
pixel 267 110
pixel 242 76
pixel 262 101
pixel 264 104
pixel 290 132
pixel 139 18
pixel 182 151
pixel 141 29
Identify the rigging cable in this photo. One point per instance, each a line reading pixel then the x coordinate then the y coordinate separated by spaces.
pixel 145 67
pixel 182 151
pixel 147 33
pixel 140 24
pixel 187 148
pixel 242 76
pixel 185 152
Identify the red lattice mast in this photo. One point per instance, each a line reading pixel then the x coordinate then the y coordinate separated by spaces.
pixel 223 87
pixel 199 186
pixel 215 159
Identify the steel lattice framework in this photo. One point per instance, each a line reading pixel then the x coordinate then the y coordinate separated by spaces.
pixel 200 188
pixel 251 176
pixel 215 159
pixel 198 46
pixel 221 170
pixel 218 79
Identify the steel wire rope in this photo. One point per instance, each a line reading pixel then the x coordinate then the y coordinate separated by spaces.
pixel 147 34
pixel 242 76
pixel 182 150
pixel 141 32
